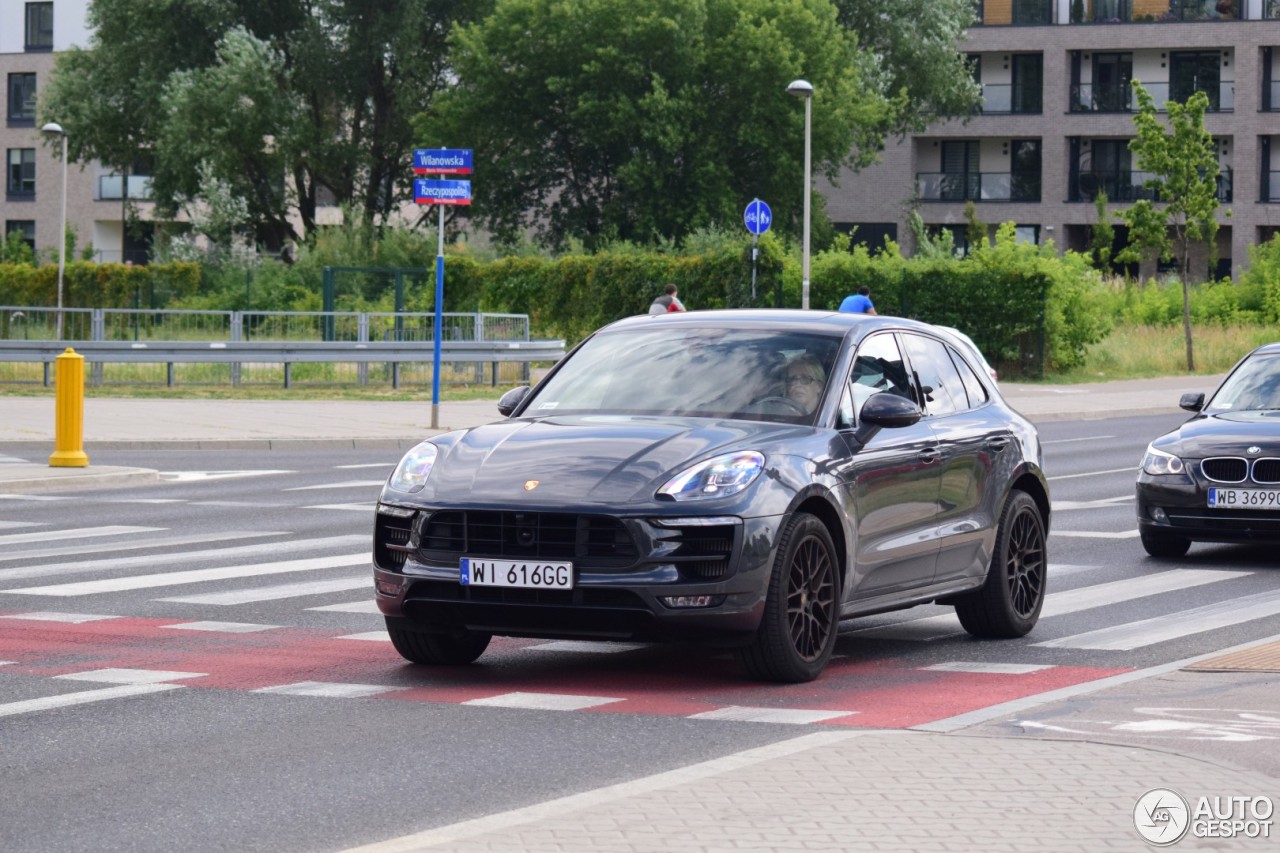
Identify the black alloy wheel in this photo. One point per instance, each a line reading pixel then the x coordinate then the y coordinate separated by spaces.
pixel 797 632
pixel 1008 604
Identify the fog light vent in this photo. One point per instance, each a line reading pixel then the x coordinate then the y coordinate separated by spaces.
pixel 1157 514
pixel 688 602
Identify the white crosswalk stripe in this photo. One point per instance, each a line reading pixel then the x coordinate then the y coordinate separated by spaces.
pixel 82 533
pixel 274 593
pixel 150 542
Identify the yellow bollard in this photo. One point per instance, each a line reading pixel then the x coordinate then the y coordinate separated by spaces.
pixel 68 437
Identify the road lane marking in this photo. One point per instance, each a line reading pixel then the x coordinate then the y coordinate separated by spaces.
pixel 789 716
pixel 1100 503
pixel 989 668
pixel 1172 626
pixel 1083 438
pixel 194 576
pixel 328 689
pixel 1096 534
pixel 198 476
pixel 291 546
pixel 221 627
pixel 927 628
pixel 158 542
pixel 364 507
pixel 380 636
pixel 350 607
pixel 272 593
pixel 75 533
pixel 1133 469
pixel 83 697
pixel 349 484
pixel 387 465
pixel 131 676
pixel 584 646
pixel 543 701
pixel 66 618
pixel 11 525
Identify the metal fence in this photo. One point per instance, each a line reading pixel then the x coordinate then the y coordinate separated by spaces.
pixel 142 326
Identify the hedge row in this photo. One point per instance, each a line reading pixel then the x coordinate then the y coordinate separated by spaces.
pixel 89 285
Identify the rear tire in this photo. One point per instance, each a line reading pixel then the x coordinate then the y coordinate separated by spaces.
pixel 1008 604
pixel 797 632
pixel 1165 544
pixel 439 649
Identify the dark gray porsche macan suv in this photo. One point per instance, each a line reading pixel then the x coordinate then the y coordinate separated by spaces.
pixel 749 478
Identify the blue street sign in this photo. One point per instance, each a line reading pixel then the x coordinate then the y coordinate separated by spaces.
pixel 442 161
pixel 758 217
pixel 427 191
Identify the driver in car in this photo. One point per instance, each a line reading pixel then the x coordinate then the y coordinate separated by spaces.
pixel 804 378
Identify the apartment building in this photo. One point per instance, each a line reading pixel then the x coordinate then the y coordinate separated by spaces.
pixel 31 35
pixel 1057 116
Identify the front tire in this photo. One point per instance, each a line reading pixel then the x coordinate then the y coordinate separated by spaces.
pixel 1164 544
pixel 802 607
pixel 438 649
pixel 1009 602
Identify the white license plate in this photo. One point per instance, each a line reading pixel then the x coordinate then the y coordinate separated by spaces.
pixel 516 573
pixel 1244 498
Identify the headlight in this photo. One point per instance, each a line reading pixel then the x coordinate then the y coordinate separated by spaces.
pixel 715 478
pixel 414 468
pixel 1159 462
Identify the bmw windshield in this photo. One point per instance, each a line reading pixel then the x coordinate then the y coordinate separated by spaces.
pixel 1254 386
pixel 683 371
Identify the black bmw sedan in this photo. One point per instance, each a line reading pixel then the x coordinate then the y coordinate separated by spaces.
pixel 1216 478
pixel 749 478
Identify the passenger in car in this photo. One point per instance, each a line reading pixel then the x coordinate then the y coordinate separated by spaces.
pixel 804 380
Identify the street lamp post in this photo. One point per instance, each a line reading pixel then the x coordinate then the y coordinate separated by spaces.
pixel 55 129
pixel 804 89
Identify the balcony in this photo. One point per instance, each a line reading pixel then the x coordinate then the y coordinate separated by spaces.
pixel 1125 186
pixel 1102 12
pixel 1008 99
pixel 1088 98
pixel 977 186
pixel 111 188
pixel 1203 10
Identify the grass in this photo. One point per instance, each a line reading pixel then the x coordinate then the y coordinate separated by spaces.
pixel 1144 352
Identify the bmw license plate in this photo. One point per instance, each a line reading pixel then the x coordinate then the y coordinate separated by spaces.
pixel 1244 498
pixel 516 573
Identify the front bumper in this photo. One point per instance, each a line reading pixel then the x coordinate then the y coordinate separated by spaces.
pixel 612 599
pixel 1175 505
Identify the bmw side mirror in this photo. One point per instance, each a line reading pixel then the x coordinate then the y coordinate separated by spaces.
pixel 511 400
pixel 1192 402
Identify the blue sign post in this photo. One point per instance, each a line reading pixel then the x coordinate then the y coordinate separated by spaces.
pixel 440 161
pixel 758 217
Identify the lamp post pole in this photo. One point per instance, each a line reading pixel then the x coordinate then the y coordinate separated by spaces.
pixel 55 129
pixel 804 89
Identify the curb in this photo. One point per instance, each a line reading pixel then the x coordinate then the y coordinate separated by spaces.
pixel 81 480
pixel 232 444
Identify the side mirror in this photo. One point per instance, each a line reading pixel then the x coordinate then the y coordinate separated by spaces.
pixel 884 410
pixel 889 411
pixel 511 400
pixel 1192 401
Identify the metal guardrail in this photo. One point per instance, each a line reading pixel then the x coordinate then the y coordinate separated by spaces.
pixel 287 354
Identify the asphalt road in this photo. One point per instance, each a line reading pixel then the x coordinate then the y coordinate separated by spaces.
pixel 284 722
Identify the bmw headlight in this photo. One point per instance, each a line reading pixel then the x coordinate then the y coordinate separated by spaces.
pixel 715 478
pixel 1158 462
pixel 412 472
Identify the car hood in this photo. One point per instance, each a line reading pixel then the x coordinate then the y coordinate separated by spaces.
pixel 586 458
pixel 1224 433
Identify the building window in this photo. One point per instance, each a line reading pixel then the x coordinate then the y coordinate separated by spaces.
pixel 39 26
pixel 22 100
pixel 22 173
pixel 25 227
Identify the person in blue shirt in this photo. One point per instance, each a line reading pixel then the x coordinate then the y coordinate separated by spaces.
pixel 859 303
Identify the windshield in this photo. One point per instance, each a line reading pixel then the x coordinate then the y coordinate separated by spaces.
pixel 693 372
pixel 1253 386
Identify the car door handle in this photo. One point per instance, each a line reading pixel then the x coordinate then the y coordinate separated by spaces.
pixel 998 444
pixel 929 456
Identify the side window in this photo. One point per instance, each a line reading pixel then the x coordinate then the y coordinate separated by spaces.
pixel 943 389
pixel 977 393
pixel 878 366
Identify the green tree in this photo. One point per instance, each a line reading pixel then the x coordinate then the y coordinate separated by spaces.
pixel 976 232
pixel 283 100
pixel 644 119
pixel 1102 235
pixel 917 64
pixel 1183 166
